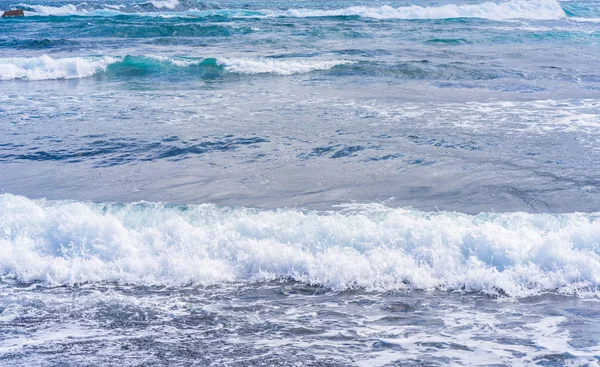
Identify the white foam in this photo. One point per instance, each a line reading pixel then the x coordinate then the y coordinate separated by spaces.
pixel 584 20
pixel 68 9
pixel 370 247
pixel 109 10
pixel 165 4
pixel 274 66
pixel 516 9
pixel 177 61
pixel 46 67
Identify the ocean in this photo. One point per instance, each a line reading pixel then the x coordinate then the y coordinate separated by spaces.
pixel 300 183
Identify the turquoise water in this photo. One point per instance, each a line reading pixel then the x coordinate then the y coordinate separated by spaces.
pixel 304 183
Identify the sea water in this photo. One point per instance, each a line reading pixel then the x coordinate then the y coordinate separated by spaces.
pixel 300 183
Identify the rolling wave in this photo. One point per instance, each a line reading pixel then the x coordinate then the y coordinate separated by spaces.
pixel 520 9
pixel 46 67
pixel 515 9
pixel 358 247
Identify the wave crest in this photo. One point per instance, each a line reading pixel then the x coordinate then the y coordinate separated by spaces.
pixel 46 67
pixel 368 246
pixel 515 9
pixel 279 67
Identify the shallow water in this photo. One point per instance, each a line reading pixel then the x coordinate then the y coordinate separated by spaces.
pixel 291 324
pixel 300 183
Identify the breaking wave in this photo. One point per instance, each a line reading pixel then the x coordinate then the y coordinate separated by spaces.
pixel 46 67
pixel 279 67
pixel 515 9
pixel 521 9
pixel 359 246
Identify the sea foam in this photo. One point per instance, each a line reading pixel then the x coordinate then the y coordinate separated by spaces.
pixel 276 66
pixel 360 246
pixel 46 67
pixel 519 9
pixel 515 9
pixel 166 4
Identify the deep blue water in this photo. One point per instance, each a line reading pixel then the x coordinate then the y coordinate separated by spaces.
pixel 300 183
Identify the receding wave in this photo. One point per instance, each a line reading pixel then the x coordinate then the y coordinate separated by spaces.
pixel 46 67
pixel 515 9
pixel 360 246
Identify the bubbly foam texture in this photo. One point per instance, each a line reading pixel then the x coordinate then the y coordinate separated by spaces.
pixel 166 4
pixel 534 9
pixel 279 67
pixel 46 67
pixel 361 246
pixel 516 9
pixel 176 61
pixel 67 9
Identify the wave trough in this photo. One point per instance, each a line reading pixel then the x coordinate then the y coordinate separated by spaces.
pixel 362 246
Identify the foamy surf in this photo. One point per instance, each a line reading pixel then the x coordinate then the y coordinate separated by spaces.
pixel 46 67
pixel 536 9
pixel 515 9
pixel 278 67
pixel 362 246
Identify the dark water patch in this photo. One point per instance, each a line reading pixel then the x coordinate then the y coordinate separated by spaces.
pixel 441 143
pixel 178 153
pixel 37 44
pixel 420 162
pixel 334 151
pixel 120 151
pixel 385 157
pixel 332 32
pixel 363 53
pixel 445 346
pixel 317 152
pixel 153 30
pixel 555 360
pixel 295 54
pixel 177 41
pixel 347 151
pixel 448 41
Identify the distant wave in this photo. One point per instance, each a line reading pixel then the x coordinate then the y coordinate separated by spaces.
pixel 521 9
pixel 46 67
pixel 515 9
pixel 164 4
pixel 68 9
pixel 361 246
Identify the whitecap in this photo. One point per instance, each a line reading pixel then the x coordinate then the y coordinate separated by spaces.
pixel 516 9
pixel 276 66
pixel 46 67
pixel 369 247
